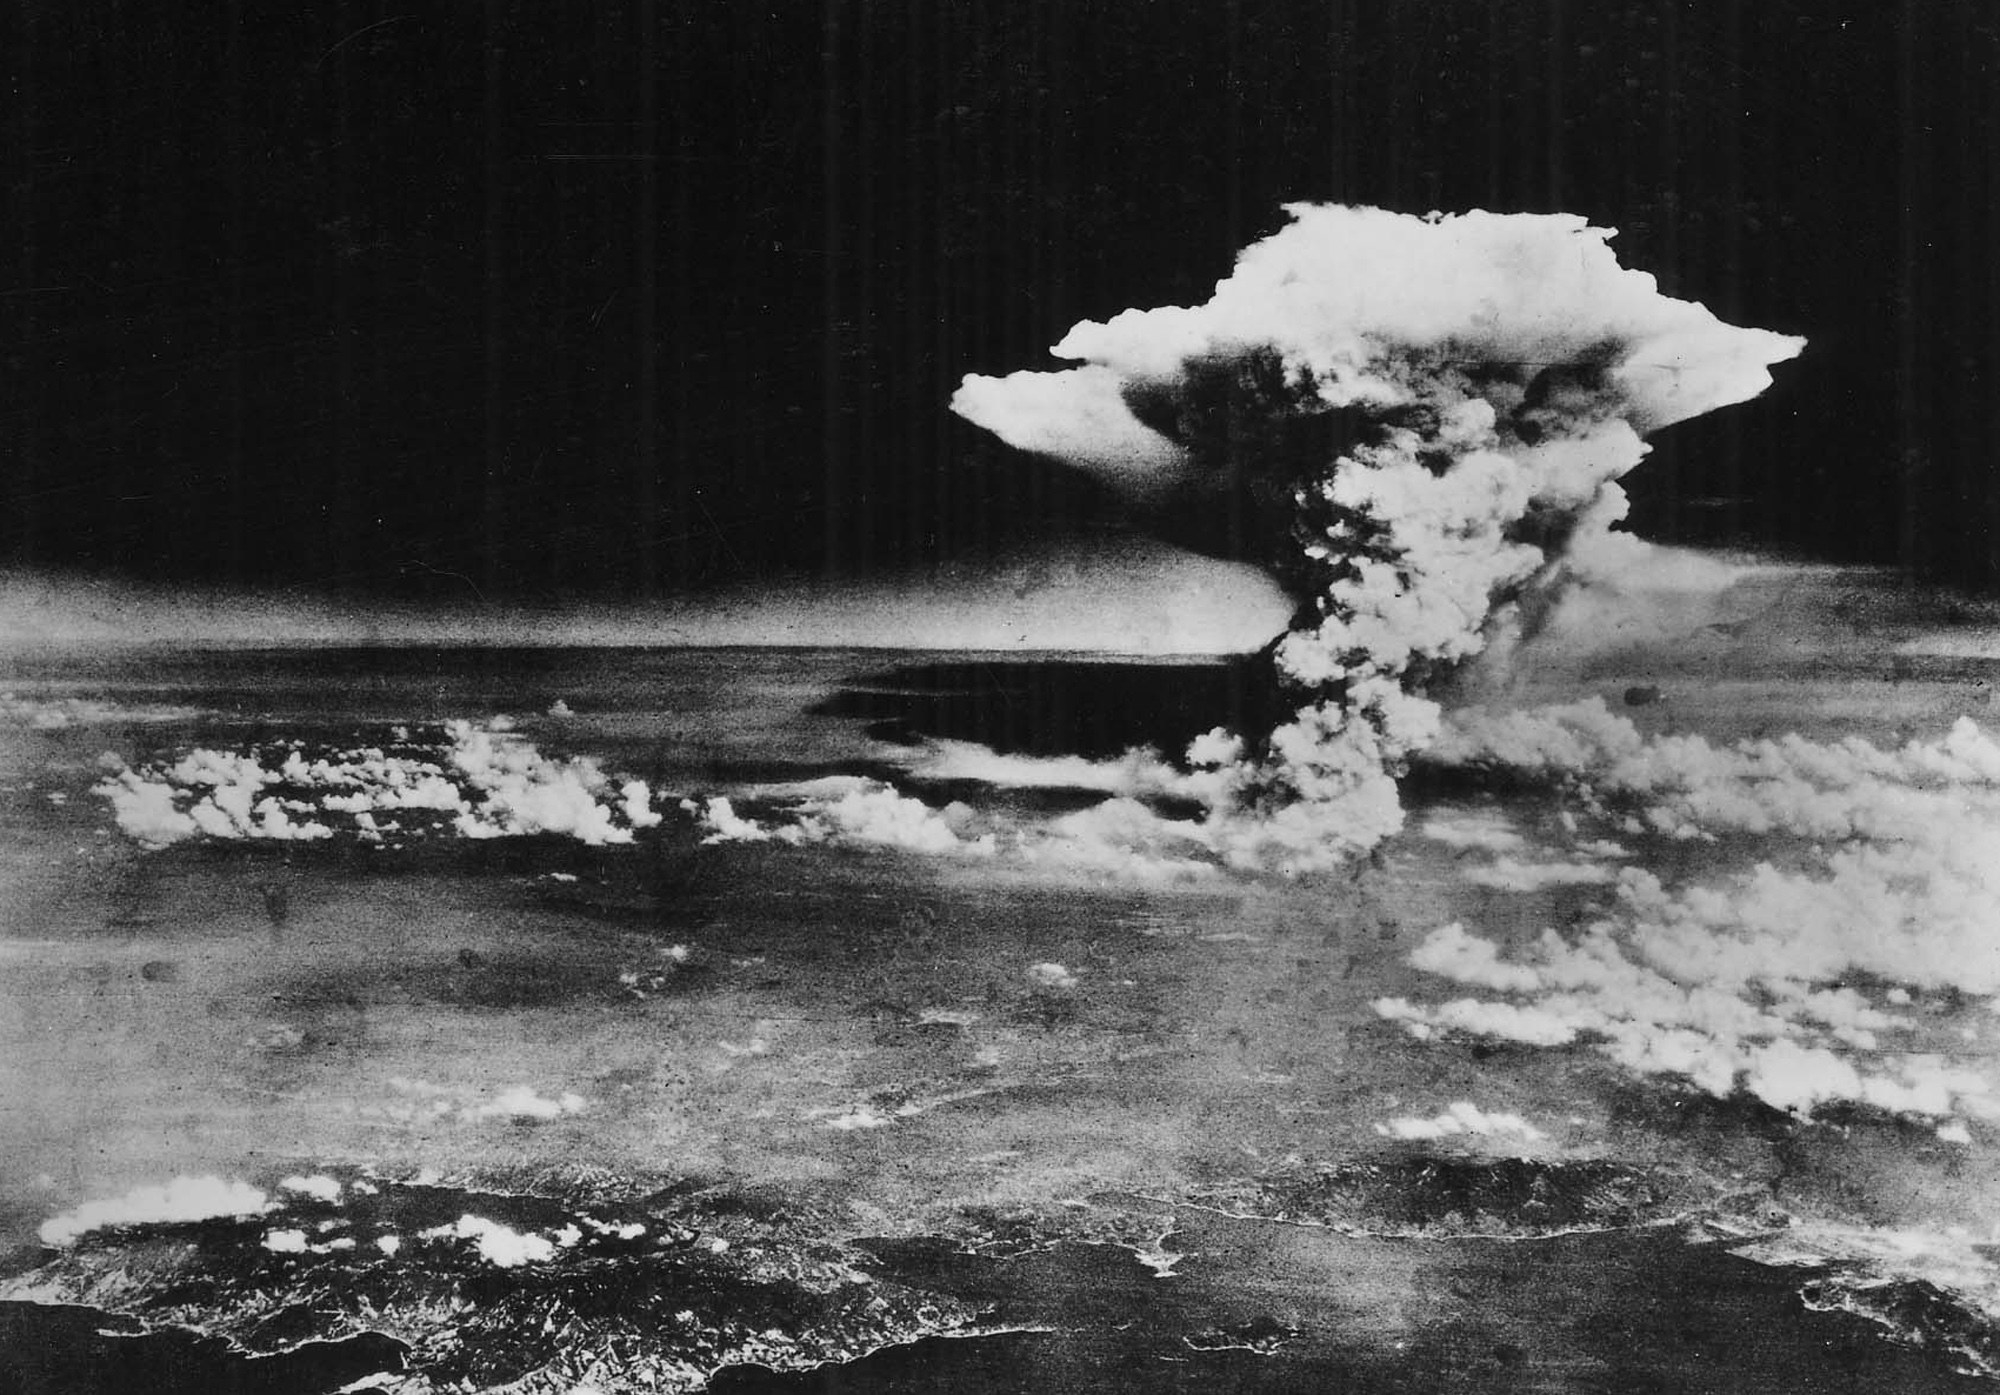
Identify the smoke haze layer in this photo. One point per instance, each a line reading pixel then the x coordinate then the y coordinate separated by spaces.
pixel 1431 415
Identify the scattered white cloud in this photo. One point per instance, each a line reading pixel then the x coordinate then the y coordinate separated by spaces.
pixel 420 1101
pixel 1465 958
pixel 497 1244
pixel 1532 1026
pixel 319 1187
pixel 523 1103
pixel 862 1116
pixel 1460 1118
pixel 720 823
pixel 1052 977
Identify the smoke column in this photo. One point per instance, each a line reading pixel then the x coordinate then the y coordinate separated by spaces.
pixel 1432 414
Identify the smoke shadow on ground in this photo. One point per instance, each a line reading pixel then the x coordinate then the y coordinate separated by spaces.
pixel 1094 708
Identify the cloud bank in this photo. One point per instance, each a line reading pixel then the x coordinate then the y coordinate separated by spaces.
pixel 181 1200
pixel 466 780
pixel 1117 594
pixel 1813 977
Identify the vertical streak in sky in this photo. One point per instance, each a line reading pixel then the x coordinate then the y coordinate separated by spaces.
pixel 1677 279
pixel 1397 109
pixel 236 80
pixel 858 461
pixel 494 324
pixel 830 253
pixel 1235 78
pixel 646 253
pixel 26 467
pixel 1988 196
pixel 914 217
pixel 944 122
pixel 1497 124
pixel 1911 181
pixel 1340 40
pixel 1730 220
pixel 683 248
pixel 342 283
pixel 1553 151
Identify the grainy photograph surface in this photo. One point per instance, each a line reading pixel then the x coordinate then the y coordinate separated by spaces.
pixel 1000 696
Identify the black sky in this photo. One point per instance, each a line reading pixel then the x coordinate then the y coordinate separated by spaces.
pixel 611 300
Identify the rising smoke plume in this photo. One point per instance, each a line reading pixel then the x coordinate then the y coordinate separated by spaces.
pixel 1432 414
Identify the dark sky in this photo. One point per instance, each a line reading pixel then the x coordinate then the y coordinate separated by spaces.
pixel 619 299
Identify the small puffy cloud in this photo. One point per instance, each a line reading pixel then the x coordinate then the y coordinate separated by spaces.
pixel 1461 1118
pixel 1452 953
pixel 860 1117
pixel 319 1187
pixel 866 811
pixel 636 802
pixel 720 823
pixel 522 1102
pixel 146 809
pixel 1051 977
pixel 285 1242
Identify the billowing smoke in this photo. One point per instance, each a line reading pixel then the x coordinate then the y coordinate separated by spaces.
pixel 1429 415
